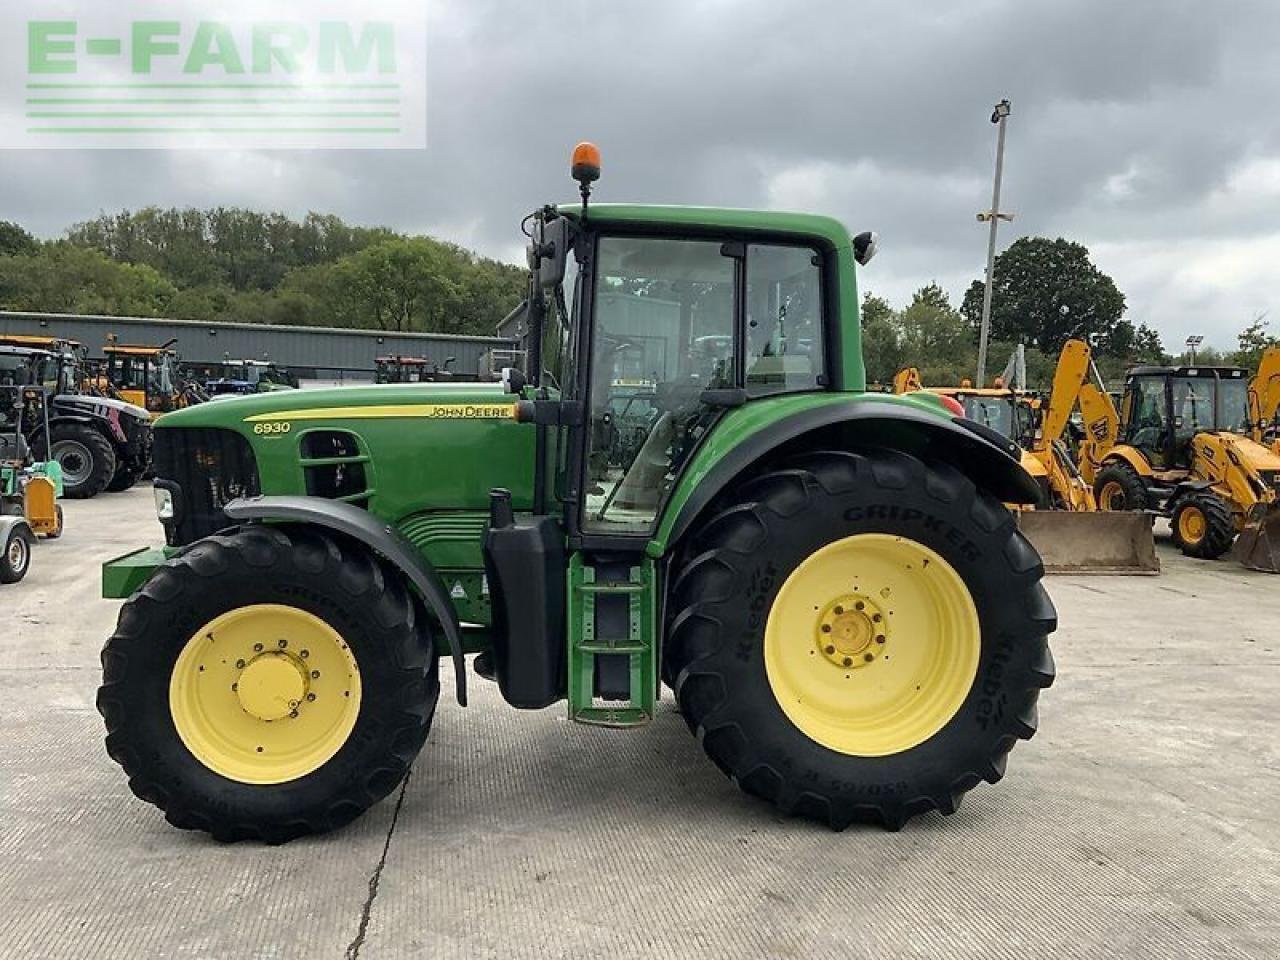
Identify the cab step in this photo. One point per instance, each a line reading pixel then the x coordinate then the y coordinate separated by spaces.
pixel 612 641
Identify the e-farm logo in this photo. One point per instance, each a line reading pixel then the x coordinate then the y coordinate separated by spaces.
pixel 284 74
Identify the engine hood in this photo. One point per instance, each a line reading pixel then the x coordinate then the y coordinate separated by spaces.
pixel 456 400
pixel 100 406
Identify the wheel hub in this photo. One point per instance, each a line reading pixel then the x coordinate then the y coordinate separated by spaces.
pixel 272 686
pixel 852 631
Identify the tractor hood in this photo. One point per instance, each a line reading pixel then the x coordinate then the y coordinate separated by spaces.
pixel 1252 453
pixel 382 401
pixel 101 406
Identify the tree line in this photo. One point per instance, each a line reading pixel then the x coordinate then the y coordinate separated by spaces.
pixel 233 264
pixel 1044 292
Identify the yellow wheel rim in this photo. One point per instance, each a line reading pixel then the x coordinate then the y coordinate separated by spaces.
pixel 1191 524
pixel 872 645
pixel 1112 496
pixel 265 693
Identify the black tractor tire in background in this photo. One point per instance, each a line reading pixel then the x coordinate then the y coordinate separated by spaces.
pixel 125 477
pixel 73 442
pixel 362 598
pixel 729 577
pixel 1127 478
pixel 1219 526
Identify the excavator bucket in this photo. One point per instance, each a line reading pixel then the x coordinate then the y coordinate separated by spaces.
pixel 1258 545
pixel 1110 542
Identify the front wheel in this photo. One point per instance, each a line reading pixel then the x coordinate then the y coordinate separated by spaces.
pixel 15 552
pixel 860 638
pixel 267 683
pixel 1202 526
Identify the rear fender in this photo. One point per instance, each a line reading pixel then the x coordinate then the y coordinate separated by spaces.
pixel 1130 456
pixel 886 422
pixel 382 538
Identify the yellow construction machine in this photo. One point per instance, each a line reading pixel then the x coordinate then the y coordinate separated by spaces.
pixel 1264 400
pixel 149 377
pixel 1067 529
pixel 1183 446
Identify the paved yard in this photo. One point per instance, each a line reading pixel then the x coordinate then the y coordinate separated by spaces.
pixel 1143 821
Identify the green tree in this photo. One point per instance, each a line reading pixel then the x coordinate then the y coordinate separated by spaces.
pixel 15 241
pixel 62 278
pixel 1252 341
pixel 1047 291
pixel 881 343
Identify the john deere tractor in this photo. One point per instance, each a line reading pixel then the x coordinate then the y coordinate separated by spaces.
pixel 828 580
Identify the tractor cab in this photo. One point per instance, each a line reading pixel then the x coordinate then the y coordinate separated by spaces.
pixel 1164 408
pixel 249 376
pixel 398 369
pixel 145 376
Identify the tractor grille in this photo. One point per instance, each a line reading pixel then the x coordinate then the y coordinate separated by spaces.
pixel 210 468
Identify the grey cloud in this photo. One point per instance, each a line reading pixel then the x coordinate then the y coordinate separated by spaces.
pixel 1132 121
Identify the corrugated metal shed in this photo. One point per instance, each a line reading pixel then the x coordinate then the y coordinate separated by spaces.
pixel 309 351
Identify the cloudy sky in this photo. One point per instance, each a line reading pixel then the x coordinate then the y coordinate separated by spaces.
pixel 1147 130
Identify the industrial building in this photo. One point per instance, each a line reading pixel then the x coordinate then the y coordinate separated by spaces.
pixel 315 353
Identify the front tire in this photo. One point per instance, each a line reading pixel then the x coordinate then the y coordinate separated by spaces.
pixel 123 479
pixel 1202 526
pixel 15 553
pixel 87 459
pixel 266 683
pixel 793 603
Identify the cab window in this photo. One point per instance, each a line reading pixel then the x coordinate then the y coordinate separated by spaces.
pixel 784 319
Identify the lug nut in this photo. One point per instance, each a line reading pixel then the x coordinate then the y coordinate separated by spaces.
pixel 880 638
pixel 239 664
pixel 859 605
pixel 304 654
pixel 310 697
pixel 257 648
pixel 315 674
pixel 848 661
pixel 282 643
pixel 868 657
pixel 876 618
pixel 838 610
pixel 293 714
pixel 830 649
pixel 826 628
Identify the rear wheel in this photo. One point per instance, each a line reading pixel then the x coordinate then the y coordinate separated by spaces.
pixel 861 637
pixel 1119 487
pixel 268 683
pixel 15 553
pixel 1203 526
pixel 87 459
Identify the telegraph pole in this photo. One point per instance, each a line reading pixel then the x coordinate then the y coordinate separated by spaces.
pixel 999 116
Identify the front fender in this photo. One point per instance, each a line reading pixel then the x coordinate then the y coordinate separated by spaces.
pixel 911 424
pixel 384 539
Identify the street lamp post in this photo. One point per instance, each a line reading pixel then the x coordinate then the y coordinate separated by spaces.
pixel 999 116
pixel 1193 342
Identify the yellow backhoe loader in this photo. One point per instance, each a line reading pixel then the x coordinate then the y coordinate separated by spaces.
pixel 1067 529
pixel 1183 447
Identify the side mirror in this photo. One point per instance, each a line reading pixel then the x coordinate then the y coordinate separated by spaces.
pixel 557 239
pixel 865 246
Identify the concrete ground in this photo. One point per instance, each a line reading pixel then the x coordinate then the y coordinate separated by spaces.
pixel 1143 820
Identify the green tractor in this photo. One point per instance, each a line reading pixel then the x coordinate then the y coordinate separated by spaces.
pixel 828 579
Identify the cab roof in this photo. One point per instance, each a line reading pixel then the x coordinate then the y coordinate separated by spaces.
pixel 1225 373
pixel 641 216
pixel 12 351
pixel 135 350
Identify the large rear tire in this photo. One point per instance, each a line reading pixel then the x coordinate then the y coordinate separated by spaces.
pixel 1202 526
pixel 267 683
pixel 861 637
pixel 87 459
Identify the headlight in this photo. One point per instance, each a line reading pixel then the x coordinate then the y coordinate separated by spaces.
pixel 164 503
